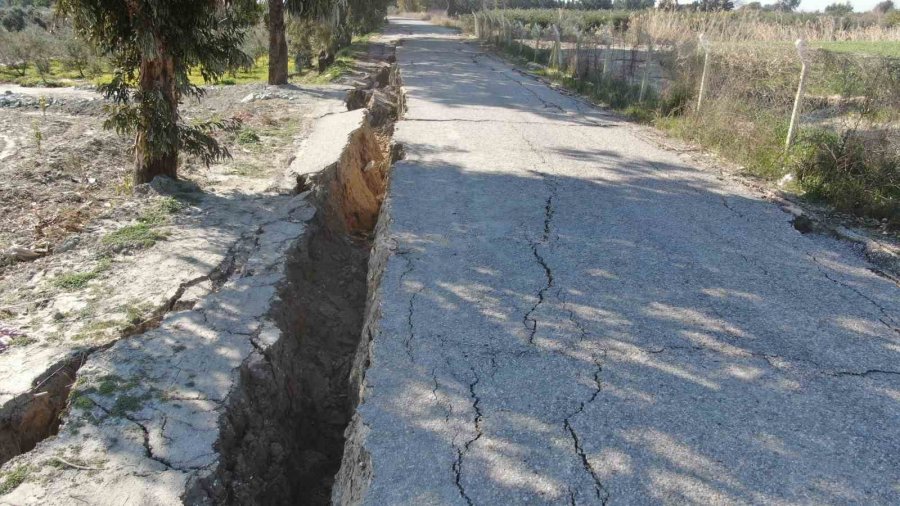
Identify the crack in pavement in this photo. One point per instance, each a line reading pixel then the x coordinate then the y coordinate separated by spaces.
pixel 865 373
pixel 892 325
pixel 461 452
pixel 599 489
pixel 407 342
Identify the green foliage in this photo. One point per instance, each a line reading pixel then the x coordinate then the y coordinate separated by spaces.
pixel 839 9
pixel 247 136
pixel 892 19
pixel 846 171
pixel 155 45
pixel 78 280
pixel 13 479
pixel 161 211
pixel 583 20
pixel 125 404
pixel 22 341
pixel 74 280
pixel 14 20
pixel 139 235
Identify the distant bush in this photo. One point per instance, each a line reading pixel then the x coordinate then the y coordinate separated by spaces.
pixel 892 19
pixel 584 20
pixel 14 20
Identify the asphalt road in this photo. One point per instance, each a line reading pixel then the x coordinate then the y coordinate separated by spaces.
pixel 572 315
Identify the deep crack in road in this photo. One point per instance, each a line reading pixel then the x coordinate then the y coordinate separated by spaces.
pixel 636 329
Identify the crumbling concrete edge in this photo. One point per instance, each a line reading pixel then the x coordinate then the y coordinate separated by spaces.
pixel 356 470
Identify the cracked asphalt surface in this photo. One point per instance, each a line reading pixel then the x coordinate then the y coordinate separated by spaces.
pixel 571 314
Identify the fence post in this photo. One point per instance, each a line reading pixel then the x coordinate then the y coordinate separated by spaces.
pixel 477 27
pixel 704 45
pixel 557 48
pixel 647 60
pixel 798 100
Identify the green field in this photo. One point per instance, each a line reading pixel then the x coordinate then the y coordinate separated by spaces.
pixel 258 73
pixel 874 48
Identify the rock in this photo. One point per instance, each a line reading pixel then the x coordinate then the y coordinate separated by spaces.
pixel 68 244
pixel 803 224
pixel 20 254
pixel 164 185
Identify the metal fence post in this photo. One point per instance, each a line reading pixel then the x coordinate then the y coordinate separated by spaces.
pixel 704 44
pixel 798 100
pixel 557 48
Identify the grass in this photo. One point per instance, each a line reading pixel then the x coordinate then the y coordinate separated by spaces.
pixel 94 329
pixel 128 403
pixel 78 280
pixel 161 211
pixel 13 479
pixel 244 169
pixel 74 280
pixel 255 74
pixel 139 235
pixel 872 48
pixel 344 61
pixel 22 341
pixel 247 136
pixel 58 76
pixel 143 234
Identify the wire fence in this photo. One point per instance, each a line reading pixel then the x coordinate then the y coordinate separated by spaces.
pixel 735 85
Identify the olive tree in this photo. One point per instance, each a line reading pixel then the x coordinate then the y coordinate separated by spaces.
pixel 153 45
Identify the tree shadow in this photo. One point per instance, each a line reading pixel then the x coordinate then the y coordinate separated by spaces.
pixel 654 345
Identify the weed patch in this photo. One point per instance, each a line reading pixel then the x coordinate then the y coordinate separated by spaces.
pixel 13 479
pixel 139 235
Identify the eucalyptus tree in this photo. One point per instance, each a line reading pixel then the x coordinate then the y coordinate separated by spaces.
pixel 346 17
pixel 153 46
pixel 278 49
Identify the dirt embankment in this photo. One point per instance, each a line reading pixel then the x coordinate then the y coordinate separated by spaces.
pixel 283 432
pixel 94 261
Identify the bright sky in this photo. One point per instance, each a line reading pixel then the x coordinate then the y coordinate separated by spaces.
pixel 819 5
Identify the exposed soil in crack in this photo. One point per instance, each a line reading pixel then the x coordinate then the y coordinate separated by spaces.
pixel 282 434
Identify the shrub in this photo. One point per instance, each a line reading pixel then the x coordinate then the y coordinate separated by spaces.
pixel 854 172
pixel 14 20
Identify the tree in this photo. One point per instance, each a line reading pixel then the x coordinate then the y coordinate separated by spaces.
pixel 714 5
pixel 278 47
pixel 153 45
pixel 345 17
pixel 633 5
pixel 883 7
pixel 667 5
pixel 839 9
pixel 787 5
pixel 595 4
pixel 14 20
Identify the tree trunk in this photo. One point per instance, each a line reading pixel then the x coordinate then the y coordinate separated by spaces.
pixel 159 157
pixel 278 51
